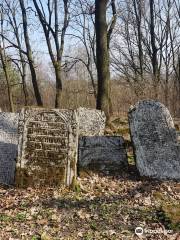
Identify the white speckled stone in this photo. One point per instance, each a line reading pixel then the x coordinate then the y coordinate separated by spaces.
pixel 91 122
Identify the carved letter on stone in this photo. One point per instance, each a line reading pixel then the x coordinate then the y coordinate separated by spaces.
pixel 154 138
pixel 47 147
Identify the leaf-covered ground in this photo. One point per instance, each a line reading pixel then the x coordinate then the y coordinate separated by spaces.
pixel 99 207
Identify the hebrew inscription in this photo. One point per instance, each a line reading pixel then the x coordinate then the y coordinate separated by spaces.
pixel 47 139
pixel 44 152
pixel 155 142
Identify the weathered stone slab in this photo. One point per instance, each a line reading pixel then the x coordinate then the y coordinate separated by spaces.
pixel 47 152
pixel 178 136
pixel 104 153
pixel 8 146
pixel 155 142
pixel 91 122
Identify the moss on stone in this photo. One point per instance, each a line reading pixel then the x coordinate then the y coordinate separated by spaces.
pixel 51 176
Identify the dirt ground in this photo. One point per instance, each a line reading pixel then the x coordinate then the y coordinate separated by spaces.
pixel 98 207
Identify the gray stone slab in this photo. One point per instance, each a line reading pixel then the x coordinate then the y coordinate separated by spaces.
pixel 155 142
pixel 47 152
pixel 8 146
pixel 104 153
pixel 178 136
pixel 91 122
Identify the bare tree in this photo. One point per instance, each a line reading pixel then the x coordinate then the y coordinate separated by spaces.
pixel 176 52
pixel 11 13
pixel 137 4
pixel 29 53
pixel 4 61
pixel 127 54
pixel 83 30
pixel 154 49
pixel 51 31
pixel 102 57
pixel 83 26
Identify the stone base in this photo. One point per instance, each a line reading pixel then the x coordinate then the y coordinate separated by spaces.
pixel 102 153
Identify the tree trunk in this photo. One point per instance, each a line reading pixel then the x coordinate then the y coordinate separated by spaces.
pixel 178 84
pixel 102 55
pixel 24 84
pixel 92 81
pixel 6 73
pixel 29 55
pixel 154 60
pixel 166 95
pixel 138 14
pixel 58 85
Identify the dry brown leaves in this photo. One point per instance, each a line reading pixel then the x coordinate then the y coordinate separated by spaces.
pixel 105 207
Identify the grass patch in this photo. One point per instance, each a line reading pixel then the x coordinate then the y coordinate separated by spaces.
pixel 168 212
pixel 172 213
pixel 5 218
pixel 123 131
pixel 131 159
pixel 120 121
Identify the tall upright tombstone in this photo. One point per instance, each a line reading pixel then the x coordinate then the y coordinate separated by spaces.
pixel 8 146
pixel 154 139
pixel 47 151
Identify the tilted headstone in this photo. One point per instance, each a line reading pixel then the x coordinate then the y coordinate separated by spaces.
pixel 47 151
pixel 91 122
pixel 104 153
pixel 178 136
pixel 154 138
pixel 8 146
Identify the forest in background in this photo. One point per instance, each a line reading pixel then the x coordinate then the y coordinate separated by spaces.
pixel 49 56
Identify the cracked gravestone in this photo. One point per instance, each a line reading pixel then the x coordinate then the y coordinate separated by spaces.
pixel 154 138
pixel 103 153
pixel 8 146
pixel 47 151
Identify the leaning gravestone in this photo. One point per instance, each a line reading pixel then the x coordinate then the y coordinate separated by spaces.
pixel 104 153
pixel 154 138
pixel 91 122
pixel 8 146
pixel 47 151
pixel 178 136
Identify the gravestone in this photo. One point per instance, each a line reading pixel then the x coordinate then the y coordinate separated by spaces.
pixel 8 146
pixel 104 153
pixel 91 122
pixel 154 138
pixel 47 151
pixel 178 136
